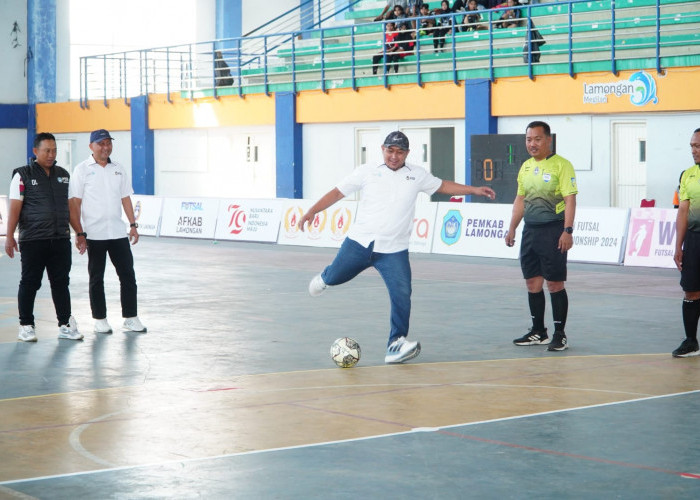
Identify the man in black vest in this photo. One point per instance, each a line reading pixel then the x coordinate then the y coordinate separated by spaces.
pixel 39 205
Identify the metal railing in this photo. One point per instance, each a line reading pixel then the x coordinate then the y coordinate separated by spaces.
pixel 578 34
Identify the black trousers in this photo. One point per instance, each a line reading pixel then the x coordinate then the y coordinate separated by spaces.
pixel 119 252
pixel 55 256
pixel 390 59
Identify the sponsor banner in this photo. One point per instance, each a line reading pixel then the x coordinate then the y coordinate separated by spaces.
pixel 423 223
pixel 599 235
pixel 651 237
pixel 328 228
pixel 474 229
pixel 146 212
pixel 4 207
pixel 249 220
pixel 189 217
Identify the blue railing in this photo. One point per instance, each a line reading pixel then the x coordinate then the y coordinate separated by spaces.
pixel 578 34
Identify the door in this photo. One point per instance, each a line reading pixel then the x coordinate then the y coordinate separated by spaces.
pixel 419 144
pixel 629 170
pixel 64 154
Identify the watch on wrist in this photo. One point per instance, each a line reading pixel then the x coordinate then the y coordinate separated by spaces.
pixel 81 234
pixel 569 230
pixel 134 224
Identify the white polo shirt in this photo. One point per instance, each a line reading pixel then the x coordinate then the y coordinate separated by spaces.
pixel 101 190
pixel 387 204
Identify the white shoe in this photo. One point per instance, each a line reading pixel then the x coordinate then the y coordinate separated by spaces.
pixel 133 325
pixel 317 286
pixel 26 333
pixel 70 331
pixel 101 326
pixel 401 350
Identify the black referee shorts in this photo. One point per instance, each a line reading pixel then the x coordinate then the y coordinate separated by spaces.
pixel 539 255
pixel 690 272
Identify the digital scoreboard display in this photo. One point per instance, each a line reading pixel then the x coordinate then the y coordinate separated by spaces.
pixel 496 161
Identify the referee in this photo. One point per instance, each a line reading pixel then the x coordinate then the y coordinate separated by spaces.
pixel 546 199
pixel 687 256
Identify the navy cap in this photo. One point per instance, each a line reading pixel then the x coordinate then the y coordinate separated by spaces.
pixel 98 135
pixel 397 139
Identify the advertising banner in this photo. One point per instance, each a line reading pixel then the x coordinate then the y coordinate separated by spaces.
pixel 189 217
pixel 146 212
pixel 328 228
pixel 599 235
pixel 249 220
pixel 423 227
pixel 3 215
pixel 474 229
pixel 651 237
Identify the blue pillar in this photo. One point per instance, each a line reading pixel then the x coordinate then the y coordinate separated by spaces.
pixel 289 147
pixel 41 58
pixel 306 14
pixel 477 118
pixel 142 158
pixel 31 129
pixel 228 18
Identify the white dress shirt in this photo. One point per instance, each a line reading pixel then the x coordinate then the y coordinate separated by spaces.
pixel 101 190
pixel 388 203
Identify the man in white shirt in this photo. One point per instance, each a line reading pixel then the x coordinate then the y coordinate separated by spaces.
pixel 99 189
pixel 379 236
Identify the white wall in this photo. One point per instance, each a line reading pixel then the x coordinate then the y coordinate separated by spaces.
pixel 13 144
pixel 13 84
pixel 216 162
pixel 256 13
pixel 121 149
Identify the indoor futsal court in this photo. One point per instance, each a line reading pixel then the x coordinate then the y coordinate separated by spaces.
pixel 232 393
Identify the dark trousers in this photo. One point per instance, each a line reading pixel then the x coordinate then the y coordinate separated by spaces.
pixel 54 256
pixel 390 59
pixel 120 254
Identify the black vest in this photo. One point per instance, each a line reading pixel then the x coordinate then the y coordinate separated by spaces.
pixel 44 212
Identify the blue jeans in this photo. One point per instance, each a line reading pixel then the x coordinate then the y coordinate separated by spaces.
pixel 394 268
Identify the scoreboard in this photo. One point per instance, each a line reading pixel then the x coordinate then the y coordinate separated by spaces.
pixel 496 161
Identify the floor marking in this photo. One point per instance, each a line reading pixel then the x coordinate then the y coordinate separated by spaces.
pixel 75 443
pixel 365 438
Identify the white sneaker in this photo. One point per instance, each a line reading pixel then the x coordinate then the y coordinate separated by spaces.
pixel 401 350
pixel 26 333
pixel 133 325
pixel 70 331
pixel 101 326
pixel 317 286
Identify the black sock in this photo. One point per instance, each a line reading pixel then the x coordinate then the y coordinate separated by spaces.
pixel 560 308
pixel 537 304
pixel 691 314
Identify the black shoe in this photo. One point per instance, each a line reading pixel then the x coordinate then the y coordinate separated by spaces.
pixel 689 347
pixel 533 337
pixel 559 342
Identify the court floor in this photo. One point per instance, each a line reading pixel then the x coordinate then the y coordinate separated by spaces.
pixel 232 394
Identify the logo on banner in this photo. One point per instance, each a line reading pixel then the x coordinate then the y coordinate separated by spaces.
pixel 451 224
pixel 340 223
pixel 137 210
pixel 238 219
pixel 291 221
pixel 641 87
pixel 317 225
pixel 641 237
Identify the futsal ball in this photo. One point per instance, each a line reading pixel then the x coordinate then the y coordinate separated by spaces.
pixel 345 352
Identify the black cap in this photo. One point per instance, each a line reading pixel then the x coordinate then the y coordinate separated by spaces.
pixel 397 139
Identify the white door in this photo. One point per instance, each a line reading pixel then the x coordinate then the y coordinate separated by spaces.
pixel 419 144
pixel 368 149
pixel 629 169
pixel 64 154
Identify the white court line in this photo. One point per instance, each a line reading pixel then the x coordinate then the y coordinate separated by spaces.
pixel 326 443
pixel 75 443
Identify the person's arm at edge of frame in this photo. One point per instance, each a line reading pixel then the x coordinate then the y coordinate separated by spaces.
pixel 681 229
pixel 129 211
pixel 566 240
pixel 75 206
pixel 12 221
pixel 456 189
pixel 515 218
pixel 326 201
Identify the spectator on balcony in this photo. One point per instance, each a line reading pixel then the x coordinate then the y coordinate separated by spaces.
pixel 444 24
pixel 221 71
pixel 392 49
pixel 389 9
pixel 413 7
pixel 473 20
pixel 427 24
pixel 511 18
pixel 398 15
